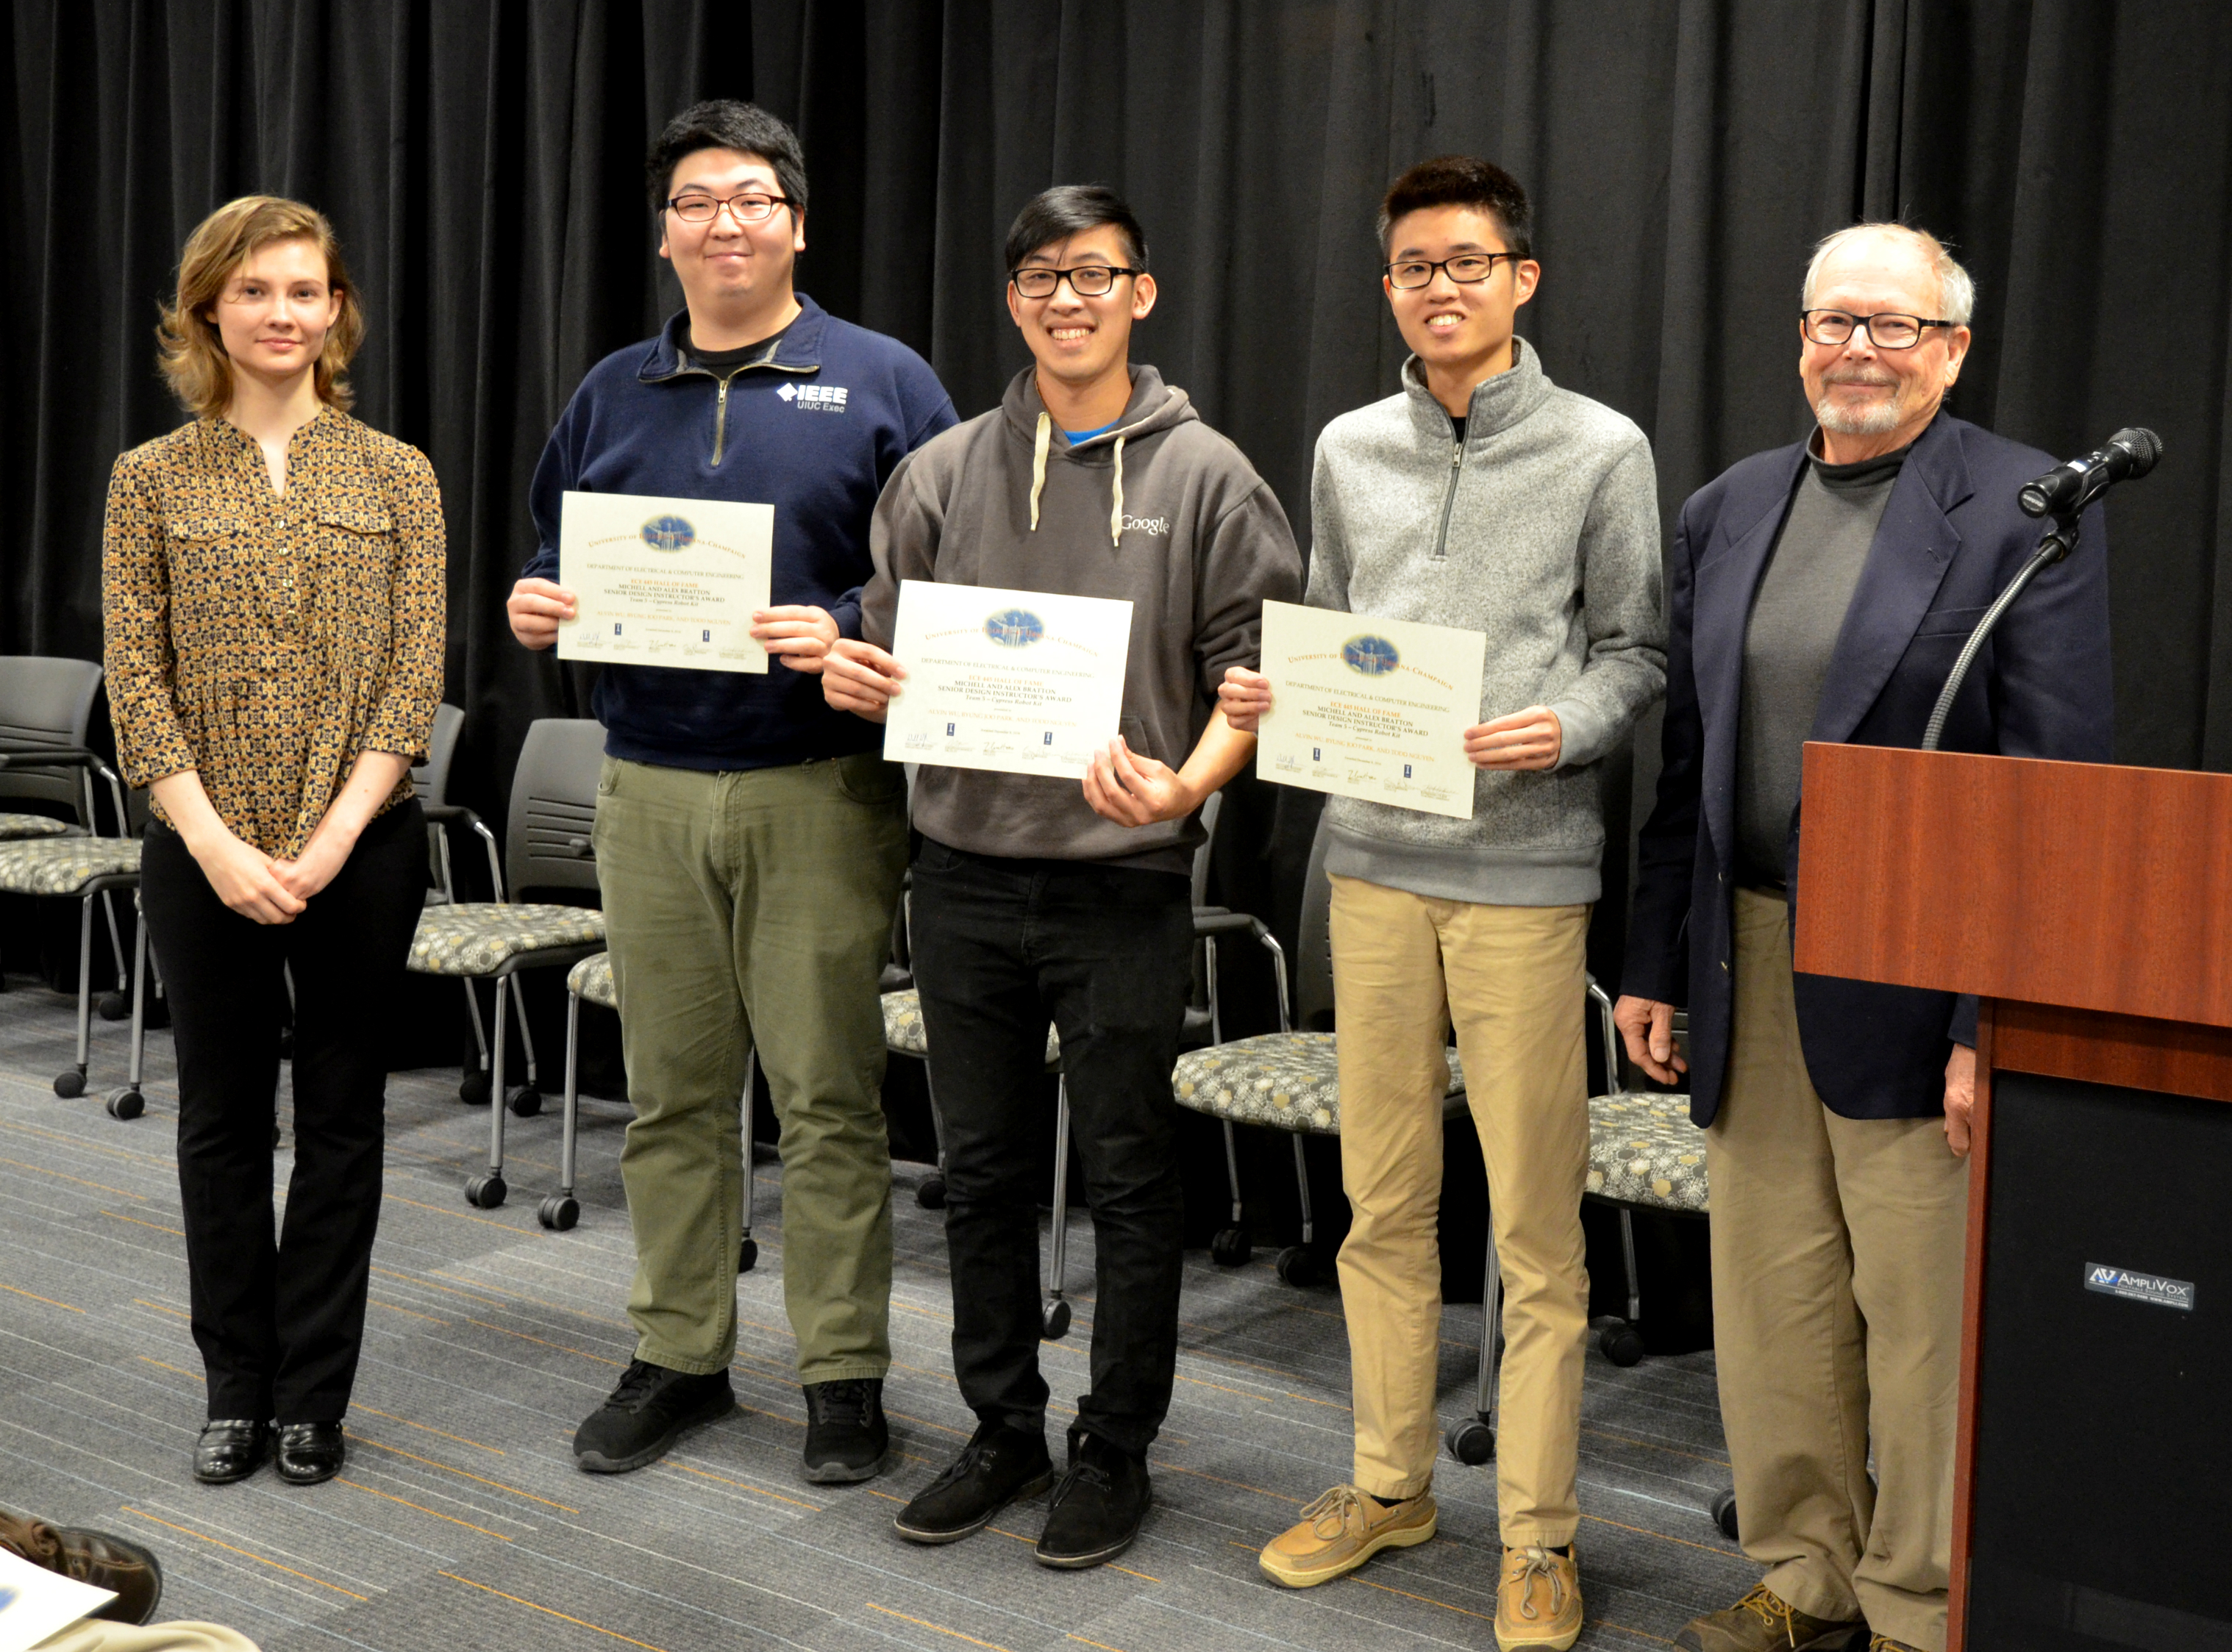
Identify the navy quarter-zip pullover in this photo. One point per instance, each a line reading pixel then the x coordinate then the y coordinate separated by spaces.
pixel 815 427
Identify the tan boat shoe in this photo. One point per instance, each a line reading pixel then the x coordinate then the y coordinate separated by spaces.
pixel 1763 1622
pixel 1538 1604
pixel 1340 1532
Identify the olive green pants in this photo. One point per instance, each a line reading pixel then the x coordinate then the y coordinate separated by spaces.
pixel 752 909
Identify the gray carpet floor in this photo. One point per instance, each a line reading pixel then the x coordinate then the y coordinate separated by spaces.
pixel 461 1521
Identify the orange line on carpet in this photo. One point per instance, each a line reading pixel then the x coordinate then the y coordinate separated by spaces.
pixel 157 1226
pixel 181 1369
pixel 545 1342
pixel 441 1210
pixel 1238 1485
pixel 1645 1531
pixel 1428 1599
pixel 36 1297
pixel 408 1424
pixel 743 1485
pixel 466 1473
pixel 64 1175
pixel 160 1308
pixel 359 1487
pixel 924 1623
pixel 551 1612
pixel 1652 1445
pixel 393 1308
pixel 250 1553
pixel 1103 1645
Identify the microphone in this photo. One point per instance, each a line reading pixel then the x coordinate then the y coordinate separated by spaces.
pixel 2067 489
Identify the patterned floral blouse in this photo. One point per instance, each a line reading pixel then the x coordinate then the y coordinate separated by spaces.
pixel 266 640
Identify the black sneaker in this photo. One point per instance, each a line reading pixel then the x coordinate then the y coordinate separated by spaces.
pixel 998 1465
pixel 846 1434
pixel 1097 1509
pixel 646 1414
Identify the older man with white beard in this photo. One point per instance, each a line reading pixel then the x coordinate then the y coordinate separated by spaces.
pixel 1821 591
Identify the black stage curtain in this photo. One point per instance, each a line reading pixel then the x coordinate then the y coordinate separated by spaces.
pixel 481 158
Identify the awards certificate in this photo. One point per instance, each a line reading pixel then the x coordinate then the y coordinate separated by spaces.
pixel 1369 708
pixel 35 1603
pixel 1019 681
pixel 663 582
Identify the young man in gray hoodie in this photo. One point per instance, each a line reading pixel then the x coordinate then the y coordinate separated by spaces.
pixel 1479 496
pixel 1037 899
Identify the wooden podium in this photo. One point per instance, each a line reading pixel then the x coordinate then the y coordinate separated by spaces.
pixel 2089 908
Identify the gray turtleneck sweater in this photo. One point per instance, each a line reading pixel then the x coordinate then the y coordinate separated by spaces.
pixel 1540 529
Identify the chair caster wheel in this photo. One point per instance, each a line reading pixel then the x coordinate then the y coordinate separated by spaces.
pixel 931 1195
pixel 525 1101
pixel 474 1090
pixel 115 1006
pixel 485 1192
pixel 1231 1248
pixel 1622 1343
pixel 1472 1443
pixel 748 1255
pixel 1724 1513
pixel 126 1103
pixel 70 1085
pixel 558 1212
pixel 1297 1267
pixel 1054 1320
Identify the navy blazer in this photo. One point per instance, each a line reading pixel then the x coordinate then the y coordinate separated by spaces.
pixel 1950 539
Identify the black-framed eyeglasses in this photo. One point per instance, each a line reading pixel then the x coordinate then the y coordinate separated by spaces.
pixel 1886 330
pixel 1087 281
pixel 1464 270
pixel 752 206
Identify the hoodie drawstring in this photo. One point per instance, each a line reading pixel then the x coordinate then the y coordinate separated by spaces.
pixel 1116 510
pixel 1038 465
pixel 1039 451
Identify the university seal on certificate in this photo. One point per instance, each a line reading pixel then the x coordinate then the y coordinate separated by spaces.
pixel 663 582
pixel 1018 681
pixel 1370 707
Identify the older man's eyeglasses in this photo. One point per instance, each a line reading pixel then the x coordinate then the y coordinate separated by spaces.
pixel 1886 331
pixel 751 207
pixel 1087 281
pixel 1464 270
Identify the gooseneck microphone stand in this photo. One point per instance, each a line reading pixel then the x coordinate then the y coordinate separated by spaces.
pixel 2060 540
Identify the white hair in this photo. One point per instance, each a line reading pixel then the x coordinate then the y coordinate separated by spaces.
pixel 1956 292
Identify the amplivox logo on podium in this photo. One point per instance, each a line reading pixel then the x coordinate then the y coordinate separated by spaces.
pixel 2139 1287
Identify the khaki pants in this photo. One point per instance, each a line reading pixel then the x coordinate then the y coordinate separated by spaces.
pixel 1513 980
pixel 754 908
pixel 1837 1267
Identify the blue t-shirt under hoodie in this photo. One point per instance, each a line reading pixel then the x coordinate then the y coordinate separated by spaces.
pixel 813 428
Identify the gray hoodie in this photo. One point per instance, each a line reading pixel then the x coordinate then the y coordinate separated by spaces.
pixel 1541 530
pixel 1161 511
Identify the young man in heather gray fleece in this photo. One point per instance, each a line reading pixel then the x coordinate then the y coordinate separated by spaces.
pixel 1038 899
pixel 1480 497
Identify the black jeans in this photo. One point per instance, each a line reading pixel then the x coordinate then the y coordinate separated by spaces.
pixel 280 1327
pixel 1000 947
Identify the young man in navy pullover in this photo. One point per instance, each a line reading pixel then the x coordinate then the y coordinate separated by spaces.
pixel 749 839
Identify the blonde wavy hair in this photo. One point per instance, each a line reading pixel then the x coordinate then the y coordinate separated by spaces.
pixel 191 350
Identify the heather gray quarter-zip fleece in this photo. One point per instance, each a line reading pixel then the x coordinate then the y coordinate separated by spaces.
pixel 1160 511
pixel 1540 529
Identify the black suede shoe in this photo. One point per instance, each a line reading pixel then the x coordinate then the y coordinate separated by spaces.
pixel 643 1417
pixel 846 1434
pixel 310 1452
pixel 230 1449
pixel 998 1466
pixel 101 1559
pixel 1096 1510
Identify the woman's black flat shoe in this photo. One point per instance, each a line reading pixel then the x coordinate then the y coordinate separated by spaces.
pixel 229 1449
pixel 310 1452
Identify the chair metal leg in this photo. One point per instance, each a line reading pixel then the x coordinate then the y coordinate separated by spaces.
pixel 487 1192
pixel 528 1101
pixel 128 1103
pixel 480 1037
pixel 1474 1443
pixel 1055 1317
pixel 72 1083
pixel 1230 1245
pixel 560 1210
pixel 1297 1264
pixel 1622 1339
pixel 748 1248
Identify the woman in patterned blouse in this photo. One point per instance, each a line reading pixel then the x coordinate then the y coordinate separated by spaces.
pixel 272 584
